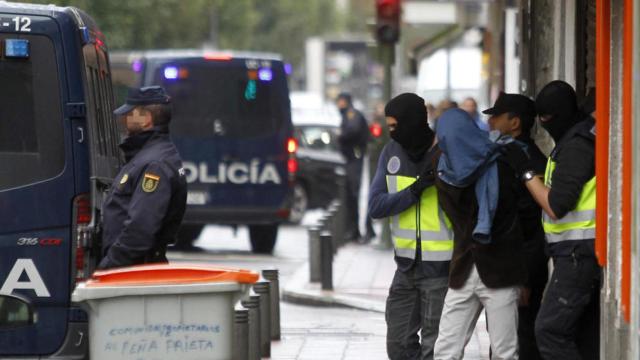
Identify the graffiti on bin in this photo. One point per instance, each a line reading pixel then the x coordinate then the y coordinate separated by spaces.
pixel 161 339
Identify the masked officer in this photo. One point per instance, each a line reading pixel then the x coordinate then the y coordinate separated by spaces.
pixel 514 115
pixel 567 324
pixel 402 190
pixel 147 200
pixel 354 134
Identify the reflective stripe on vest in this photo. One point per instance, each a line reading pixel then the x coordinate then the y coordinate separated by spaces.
pixel 434 228
pixel 578 224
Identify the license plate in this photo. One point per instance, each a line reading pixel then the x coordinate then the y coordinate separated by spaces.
pixel 196 197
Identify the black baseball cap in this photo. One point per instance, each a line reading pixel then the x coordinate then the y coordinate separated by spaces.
pixel 514 103
pixel 143 96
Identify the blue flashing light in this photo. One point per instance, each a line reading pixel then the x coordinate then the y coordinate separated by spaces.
pixel 136 66
pixel 288 69
pixel 16 48
pixel 265 74
pixel 171 73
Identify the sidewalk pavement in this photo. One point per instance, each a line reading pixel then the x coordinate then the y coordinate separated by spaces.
pixel 361 279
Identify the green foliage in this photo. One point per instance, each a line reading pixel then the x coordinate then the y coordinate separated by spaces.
pixel 279 26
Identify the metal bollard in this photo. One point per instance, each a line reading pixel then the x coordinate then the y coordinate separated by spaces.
pixel 339 226
pixel 240 332
pixel 253 304
pixel 333 222
pixel 314 254
pixel 273 276
pixel 326 253
pixel 262 287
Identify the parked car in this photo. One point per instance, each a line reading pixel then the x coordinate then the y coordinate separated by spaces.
pixel 316 127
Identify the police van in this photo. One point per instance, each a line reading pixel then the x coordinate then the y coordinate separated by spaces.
pixel 59 154
pixel 232 126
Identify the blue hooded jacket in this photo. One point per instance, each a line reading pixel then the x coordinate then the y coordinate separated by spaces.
pixel 469 156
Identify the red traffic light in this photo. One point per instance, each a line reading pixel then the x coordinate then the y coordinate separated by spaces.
pixel 388 21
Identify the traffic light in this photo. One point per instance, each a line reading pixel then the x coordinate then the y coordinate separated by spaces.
pixel 387 21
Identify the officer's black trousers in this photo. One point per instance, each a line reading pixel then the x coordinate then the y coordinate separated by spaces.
pixel 414 305
pixel 567 326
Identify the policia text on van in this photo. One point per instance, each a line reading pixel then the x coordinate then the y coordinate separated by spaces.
pixel 58 150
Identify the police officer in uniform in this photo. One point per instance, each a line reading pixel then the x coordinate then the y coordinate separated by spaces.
pixel 354 134
pixel 514 115
pixel 567 324
pixel 402 190
pixel 147 200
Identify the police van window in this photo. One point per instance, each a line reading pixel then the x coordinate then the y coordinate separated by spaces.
pixel 31 127
pixel 223 99
pixel 100 103
pixel 14 313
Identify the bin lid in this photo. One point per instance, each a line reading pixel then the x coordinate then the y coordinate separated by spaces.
pixel 167 274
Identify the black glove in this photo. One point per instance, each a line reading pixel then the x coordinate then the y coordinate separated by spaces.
pixel 517 158
pixel 426 179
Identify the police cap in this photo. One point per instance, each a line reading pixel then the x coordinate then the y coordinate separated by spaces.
pixel 143 96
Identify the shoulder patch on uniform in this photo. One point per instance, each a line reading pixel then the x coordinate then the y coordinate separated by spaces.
pixel 124 179
pixel 393 165
pixel 150 182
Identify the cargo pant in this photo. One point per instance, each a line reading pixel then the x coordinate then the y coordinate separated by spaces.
pixel 567 326
pixel 414 305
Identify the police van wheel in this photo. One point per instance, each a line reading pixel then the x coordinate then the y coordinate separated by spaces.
pixel 187 235
pixel 263 238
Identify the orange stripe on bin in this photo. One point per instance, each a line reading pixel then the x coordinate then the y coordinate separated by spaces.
pixel 603 80
pixel 627 158
pixel 170 274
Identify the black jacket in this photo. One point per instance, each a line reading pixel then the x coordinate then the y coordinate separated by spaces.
pixel 575 166
pixel 500 263
pixel 530 215
pixel 354 134
pixel 146 203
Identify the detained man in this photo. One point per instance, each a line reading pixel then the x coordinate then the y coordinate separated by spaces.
pixel 479 193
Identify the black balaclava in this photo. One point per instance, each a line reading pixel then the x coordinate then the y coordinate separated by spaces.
pixel 412 132
pixel 557 99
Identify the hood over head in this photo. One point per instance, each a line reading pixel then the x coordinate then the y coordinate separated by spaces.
pixel 412 132
pixel 465 147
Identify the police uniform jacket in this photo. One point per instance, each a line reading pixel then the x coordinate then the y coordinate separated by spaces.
pixel 574 156
pixel 146 203
pixel 385 203
pixel 354 134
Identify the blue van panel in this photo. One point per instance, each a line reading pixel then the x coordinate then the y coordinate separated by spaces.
pixel 35 221
pixel 49 252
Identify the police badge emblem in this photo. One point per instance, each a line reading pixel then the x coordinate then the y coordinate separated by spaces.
pixel 124 179
pixel 150 182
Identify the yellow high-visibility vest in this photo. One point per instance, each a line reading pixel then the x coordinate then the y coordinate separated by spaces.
pixel 424 221
pixel 578 224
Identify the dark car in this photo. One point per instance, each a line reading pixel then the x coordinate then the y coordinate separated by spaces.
pixel 321 164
